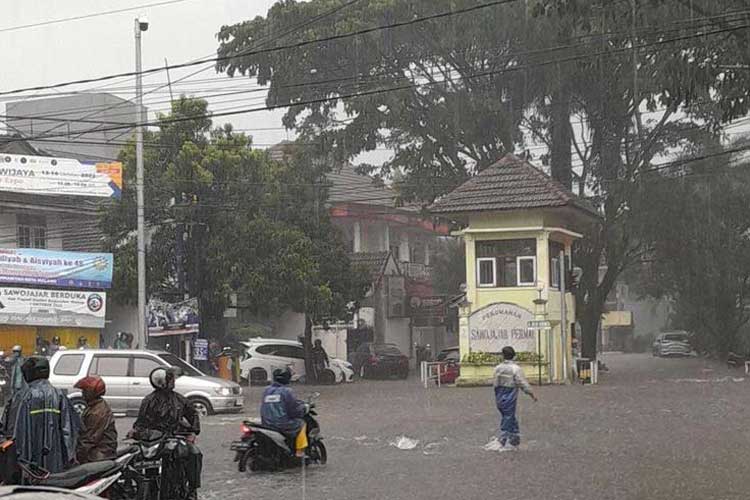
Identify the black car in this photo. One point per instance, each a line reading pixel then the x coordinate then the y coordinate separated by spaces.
pixel 380 360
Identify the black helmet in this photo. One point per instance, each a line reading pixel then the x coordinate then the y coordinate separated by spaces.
pixel 282 376
pixel 34 368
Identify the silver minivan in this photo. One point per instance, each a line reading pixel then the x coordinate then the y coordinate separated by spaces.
pixel 126 373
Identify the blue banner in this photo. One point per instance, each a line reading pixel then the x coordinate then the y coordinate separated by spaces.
pixel 34 266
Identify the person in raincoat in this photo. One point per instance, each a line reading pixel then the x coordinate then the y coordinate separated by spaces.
pixel 41 420
pixel 98 437
pixel 16 375
pixel 508 380
pixel 170 412
pixel 320 359
pixel 280 409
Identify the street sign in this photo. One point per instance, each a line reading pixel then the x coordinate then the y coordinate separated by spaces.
pixel 539 325
pixel 200 349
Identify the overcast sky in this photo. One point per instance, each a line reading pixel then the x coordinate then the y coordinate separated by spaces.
pixel 104 45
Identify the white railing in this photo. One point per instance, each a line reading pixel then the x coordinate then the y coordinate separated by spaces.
pixel 432 370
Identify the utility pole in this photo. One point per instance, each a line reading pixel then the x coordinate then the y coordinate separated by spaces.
pixel 141 24
pixel 563 318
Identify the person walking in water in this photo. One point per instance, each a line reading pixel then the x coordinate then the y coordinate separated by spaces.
pixel 508 380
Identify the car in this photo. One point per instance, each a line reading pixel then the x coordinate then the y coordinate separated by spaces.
pixel 380 360
pixel 126 373
pixel 672 344
pixel 262 356
pixel 451 370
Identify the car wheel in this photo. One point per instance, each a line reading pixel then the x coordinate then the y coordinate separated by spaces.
pixel 202 407
pixel 79 405
pixel 327 377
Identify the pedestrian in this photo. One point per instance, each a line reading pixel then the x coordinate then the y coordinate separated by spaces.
pixel 508 380
pixel 16 375
pixel 54 346
pixel 83 342
pixel 320 359
pixel 41 420
pixel 98 437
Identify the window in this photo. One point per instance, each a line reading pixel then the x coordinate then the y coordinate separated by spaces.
pixel 187 369
pixel 506 263
pixel 142 367
pixel 31 232
pixel 486 271
pixel 268 350
pixel 526 271
pixel 293 352
pixel 110 366
pixel 554 263
pixel 68 364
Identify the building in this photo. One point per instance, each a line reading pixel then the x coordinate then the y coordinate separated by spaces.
pixel 49 222
pixel 87 126
pixel 518 228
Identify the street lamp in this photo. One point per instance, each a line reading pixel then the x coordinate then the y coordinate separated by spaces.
pixel 141 24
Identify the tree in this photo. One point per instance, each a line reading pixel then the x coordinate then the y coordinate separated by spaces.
pixel 701 246
pixel 624 83
pixel 237 216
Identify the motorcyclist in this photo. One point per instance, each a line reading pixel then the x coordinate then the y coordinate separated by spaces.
pixel 17 381
pixel 54 346
pixel 169 412
pixel 41 420
pixel 98 436
pixel 121 342
pixel 280 409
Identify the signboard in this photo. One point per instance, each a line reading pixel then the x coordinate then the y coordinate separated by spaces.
pixel 396 296
pixel 428 311
pixel 200 350
pixel 502 324
pixel 59 176
pixel 27 306
pixel 173 318
pixel 33 266
pixel 540 325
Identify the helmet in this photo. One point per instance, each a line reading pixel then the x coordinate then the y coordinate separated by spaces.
pixel 92 387
pixel 163 377
pixel 17 348
pixel 35 368
pixel 282 376
pixel 56 339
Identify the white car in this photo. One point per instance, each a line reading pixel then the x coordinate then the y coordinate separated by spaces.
pixel 262 356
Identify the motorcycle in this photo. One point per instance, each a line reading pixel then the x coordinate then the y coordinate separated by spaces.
pixel 263 448
pixel 95 478
pixel 157 453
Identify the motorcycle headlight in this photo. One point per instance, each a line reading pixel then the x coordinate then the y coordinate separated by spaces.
pixel 224 391
pixel 150 451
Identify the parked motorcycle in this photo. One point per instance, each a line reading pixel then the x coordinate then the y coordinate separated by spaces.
pixel 266 449
pixel 163 468
pixel 95 478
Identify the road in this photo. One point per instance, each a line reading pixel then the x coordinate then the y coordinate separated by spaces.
pixel 653 429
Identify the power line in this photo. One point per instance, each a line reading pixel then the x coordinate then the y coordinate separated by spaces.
pixel 87 16
pixel 268 50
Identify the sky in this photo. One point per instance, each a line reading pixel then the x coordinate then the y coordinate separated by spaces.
pixel 98 46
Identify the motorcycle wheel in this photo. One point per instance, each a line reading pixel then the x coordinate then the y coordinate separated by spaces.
pixel 318 452
pixel 247 461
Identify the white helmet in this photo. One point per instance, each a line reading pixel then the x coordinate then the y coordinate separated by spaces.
pixel 17 348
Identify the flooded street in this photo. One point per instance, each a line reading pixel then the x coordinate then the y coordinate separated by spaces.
pixel 654 428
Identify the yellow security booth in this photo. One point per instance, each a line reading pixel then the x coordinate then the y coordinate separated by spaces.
pixel 518 227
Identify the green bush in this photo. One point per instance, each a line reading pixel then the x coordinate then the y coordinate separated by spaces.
pixel 489 358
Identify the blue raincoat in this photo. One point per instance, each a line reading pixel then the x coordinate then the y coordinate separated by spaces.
pixel 281 410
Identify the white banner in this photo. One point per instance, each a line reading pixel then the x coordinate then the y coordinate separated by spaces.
pixel 59 176
pixel 27 306
pixel 498 325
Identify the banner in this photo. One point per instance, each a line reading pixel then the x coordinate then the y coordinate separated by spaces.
pixel 60 176
pixel 27 306
pixel 501 324
pixel 32 266
pixel 428 310
pixel 168 318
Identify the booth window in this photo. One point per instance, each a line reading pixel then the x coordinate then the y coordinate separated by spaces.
pixel 554 263
pixel 31 232
pixel 506 263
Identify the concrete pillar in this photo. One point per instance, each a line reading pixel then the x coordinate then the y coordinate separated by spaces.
pixel 386 238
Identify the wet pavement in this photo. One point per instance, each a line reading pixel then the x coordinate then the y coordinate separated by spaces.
pixel 653 429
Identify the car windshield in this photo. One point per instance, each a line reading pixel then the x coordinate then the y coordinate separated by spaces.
pixel 675 337
pixel 386 349
pixel 187 369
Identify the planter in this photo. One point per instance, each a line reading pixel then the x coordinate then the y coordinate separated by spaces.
pixel 475 375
